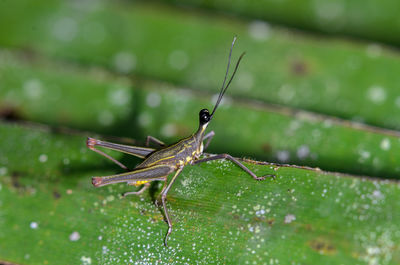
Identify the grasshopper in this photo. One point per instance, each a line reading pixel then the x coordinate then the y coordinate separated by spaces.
pixel 159 163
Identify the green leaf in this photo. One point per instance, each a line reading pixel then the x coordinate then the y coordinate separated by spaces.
pixel 352 18
pixel 98 101
pixel 334 77
pixel 220 213
pixel 137 69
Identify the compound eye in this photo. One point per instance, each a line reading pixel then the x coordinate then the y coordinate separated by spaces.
pixel 204 116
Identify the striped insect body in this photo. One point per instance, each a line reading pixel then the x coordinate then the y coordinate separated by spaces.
pixel 159 163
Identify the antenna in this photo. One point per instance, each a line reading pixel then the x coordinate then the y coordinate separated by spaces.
pixel 224 88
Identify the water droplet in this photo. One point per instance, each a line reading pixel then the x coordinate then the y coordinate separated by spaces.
pixel 75 236
pixel 86 260
pixel 120 96
pixel 385 144
pixel 303 151
pixel 34 225
pixel 124 62
pixel 43 158
pixel 376 94
pixel 153 100
pixel 286 93
pixel 374 50
pixel 289 218
pixel 283 156
pixel 3 171
pixel 364 155
pixel 377 194
pixel 65 29
pixel 397 102
pixel 33 88
pixel 259 30
pixel 328 11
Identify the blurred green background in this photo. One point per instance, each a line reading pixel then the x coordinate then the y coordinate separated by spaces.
pixel 318 87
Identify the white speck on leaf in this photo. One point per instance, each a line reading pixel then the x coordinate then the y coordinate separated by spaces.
pixel 110 198
pixel 303 151
pixel 75 236
pixel 328 11
pixel 153 100
pixel 3 171
pixel 377 194
pixel 259 30
pixel 289 218
pixel 283 156
pixel 43 158
pixel 86 260
pixel 65 29
pixel 364 155
pixel 104 249
pixel 124 62
pixel 376 94
pixel 286 93
pixel 33 88
pixel 385 144
pixel 120 96
pixel 34 225
pixel 186 182
pixel 374 50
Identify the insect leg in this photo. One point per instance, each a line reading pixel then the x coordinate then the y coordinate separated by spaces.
pixel 157 202
pixel 154 140
pixel 145 186
pixel 163 198
pixel 156 172
pixel 208 137
pixel 91 143
pixel 234 160
pixel 140 152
